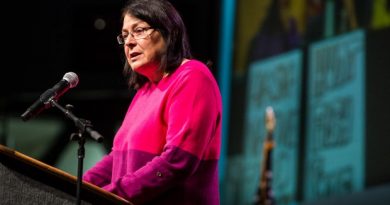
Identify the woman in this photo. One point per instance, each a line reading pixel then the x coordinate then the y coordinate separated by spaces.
pixel 167 148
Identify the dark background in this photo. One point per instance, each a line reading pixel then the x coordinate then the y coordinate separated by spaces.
pixel 50 38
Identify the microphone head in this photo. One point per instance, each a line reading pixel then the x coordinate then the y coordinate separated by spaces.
pixel 270 121
pixel 72 78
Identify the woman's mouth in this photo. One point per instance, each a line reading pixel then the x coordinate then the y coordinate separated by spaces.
pixel 134 55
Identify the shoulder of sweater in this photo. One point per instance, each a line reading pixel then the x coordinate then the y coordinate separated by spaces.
pixel 194 67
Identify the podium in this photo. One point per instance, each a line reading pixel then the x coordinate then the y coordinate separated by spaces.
pixel 24 180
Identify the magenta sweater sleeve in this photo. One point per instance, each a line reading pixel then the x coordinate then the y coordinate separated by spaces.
pixel 100 174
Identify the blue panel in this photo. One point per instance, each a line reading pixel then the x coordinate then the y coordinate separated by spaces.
pixel 334 162
pixel 225 73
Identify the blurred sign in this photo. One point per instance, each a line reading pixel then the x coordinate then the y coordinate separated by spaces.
pixel 334 161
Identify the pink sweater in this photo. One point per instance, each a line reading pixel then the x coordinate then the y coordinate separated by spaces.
pixel 167 149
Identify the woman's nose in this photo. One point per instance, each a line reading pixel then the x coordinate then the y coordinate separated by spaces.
pixel 130 40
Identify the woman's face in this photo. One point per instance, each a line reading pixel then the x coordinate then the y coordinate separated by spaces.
pixel 143 55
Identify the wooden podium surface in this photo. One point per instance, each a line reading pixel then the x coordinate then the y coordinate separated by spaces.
pixel 29 181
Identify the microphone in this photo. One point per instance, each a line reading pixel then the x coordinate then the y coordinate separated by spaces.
pixel 70 80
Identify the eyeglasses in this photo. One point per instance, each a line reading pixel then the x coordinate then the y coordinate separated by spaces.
pixel 138 33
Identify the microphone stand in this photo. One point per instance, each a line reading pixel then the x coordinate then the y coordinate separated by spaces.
pixel 82 125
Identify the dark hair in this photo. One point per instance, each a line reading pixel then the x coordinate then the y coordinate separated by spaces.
pixel 163 17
